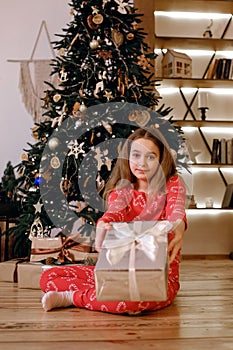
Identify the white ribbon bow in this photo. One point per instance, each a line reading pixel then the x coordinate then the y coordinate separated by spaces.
pixel 130 238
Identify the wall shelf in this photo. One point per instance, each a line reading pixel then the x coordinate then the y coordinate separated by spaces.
pixel 209 165
pixel 196 83
pixel 208 6
pixel 187 43
pixel 203 123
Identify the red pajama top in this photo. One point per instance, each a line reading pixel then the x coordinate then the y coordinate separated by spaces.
pixel 128 204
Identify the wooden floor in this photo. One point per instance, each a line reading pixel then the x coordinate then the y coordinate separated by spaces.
pixel 201 318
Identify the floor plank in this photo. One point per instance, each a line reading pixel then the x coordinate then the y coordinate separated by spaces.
pixel 200 318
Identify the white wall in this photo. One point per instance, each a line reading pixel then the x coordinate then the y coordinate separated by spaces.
pixel 20 21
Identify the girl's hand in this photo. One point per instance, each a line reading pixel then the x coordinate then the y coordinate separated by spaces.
pixel 101 229
pixel 177 241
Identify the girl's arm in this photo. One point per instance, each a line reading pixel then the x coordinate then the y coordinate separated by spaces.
pixel 175 213
pixel 116 212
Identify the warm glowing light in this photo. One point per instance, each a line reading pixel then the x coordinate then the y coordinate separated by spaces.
pixel 198 52
pixel 196 169
pixel 167 91
pixel 217 130
pixel 190 129
pixel 192 15
pixel 214 211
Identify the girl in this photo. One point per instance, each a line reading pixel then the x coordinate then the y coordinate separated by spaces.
pixel 144 185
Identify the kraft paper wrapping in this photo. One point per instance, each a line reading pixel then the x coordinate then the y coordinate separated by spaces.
pixel 117 278
pixel 8 270
pixel 29 275
pixel 60 248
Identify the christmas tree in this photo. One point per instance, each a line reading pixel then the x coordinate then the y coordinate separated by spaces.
pixel 105 89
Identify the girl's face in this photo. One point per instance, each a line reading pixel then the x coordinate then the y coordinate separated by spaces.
pixel 144 159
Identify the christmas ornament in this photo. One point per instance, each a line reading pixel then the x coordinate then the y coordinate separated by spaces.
pixel 37 229
pixel 117 37
pixel 94 44
pixel 56 97
pixel 130 36
pixel 38 180
pixel 82 108
pixel 90 22
pixel 38 207
pixel 55 162
pixel 62 51
pixel 98 18
pixel 76 149
pixel 108 95
pixel 63 75
pixel 122 6
pixel 102 159
pixel 75 110
pixel 65 186
pixel 24 157
pixel 34 131
pixel 141 117
pixel 53 143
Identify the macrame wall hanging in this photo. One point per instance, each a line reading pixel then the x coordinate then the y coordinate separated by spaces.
pixel 33 74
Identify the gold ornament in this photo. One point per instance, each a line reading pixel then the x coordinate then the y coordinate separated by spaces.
pixel 75 111
pixel 55 162
pixel 24 157
pixel 94 44
pixel 132 116
pixel 34 131
pixel 90 22
pixel 98 19
pixel 108 95
pixel 62 51
pixel 117 37
pixel 56 97
pixel 130 36
pixel 140 117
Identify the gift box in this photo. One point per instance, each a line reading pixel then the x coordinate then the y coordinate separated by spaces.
pixel 133 263
pixel 8 270
pixel 29 275
pixel 62 248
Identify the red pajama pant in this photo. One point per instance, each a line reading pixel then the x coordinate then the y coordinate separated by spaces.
pixel 80 279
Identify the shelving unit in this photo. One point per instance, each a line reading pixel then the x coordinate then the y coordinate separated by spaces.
pixel 188 43
pixel 209 230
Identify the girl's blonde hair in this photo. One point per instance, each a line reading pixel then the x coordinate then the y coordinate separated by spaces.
pixel 121 174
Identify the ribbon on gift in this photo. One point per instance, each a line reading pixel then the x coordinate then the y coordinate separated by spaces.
pixel 63 250
pixel 128 240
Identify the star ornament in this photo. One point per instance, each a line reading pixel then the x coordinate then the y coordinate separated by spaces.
pixel 108 95
pixel 38 207
pixel 76 149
